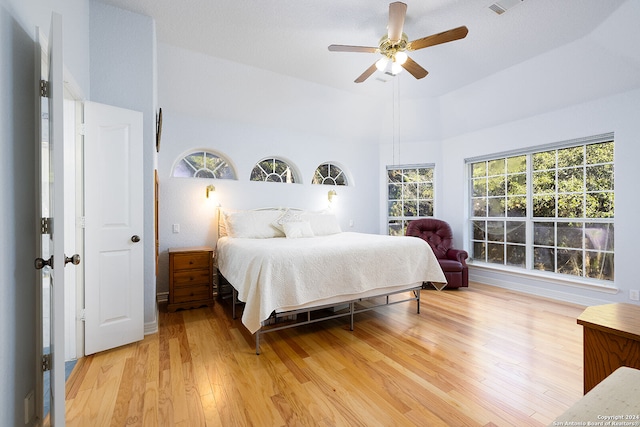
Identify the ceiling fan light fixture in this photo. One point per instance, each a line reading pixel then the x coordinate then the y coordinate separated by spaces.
pixel 400 57
pixel 381 64
pixel 396 68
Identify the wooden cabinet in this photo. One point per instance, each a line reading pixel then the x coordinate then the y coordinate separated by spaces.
pixel 611 339
pixel 191 273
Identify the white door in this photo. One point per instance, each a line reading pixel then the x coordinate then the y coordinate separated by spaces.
pixel 114 289
pixel 50 205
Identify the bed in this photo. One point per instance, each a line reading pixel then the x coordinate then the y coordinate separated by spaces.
pixel 282 263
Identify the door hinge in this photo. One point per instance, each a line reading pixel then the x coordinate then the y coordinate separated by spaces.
pixel 82 315
pixel 81 128
pixel 46 362
pixel 81 222
pixel 44 88
pixel 46 225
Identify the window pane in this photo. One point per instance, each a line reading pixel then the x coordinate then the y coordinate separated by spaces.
pixel 479 251
pixel 479 169
pixel 395 208
pixel 517 184
pixel 570 262
pixel 570 205
pixel 569 235
pixel 479 230
pixel 516 232
pixel 479 187
pixel 410 208
pixel 600 205
pixel 425 190
pixel 395 191
pixel 570 180
pixel 496 186
pixel 544 233
pixel 599 177
pixel 600 153
pixel 599 265
pixel 516 206
pixel 495 253
pixel 425 208
pixel 573 156
pixel 544 259
pixel 544 182
pixel 479 207
pixel 544 160
pixel 516 255
pixel 495 231
pixel 204 173
pixel 517 164
pixel 396 228
pixel 544 206
pixel 203 164
pixel 410 191
pixel 598 236
pixel 394 175
pixel 496 167
pixel 496 206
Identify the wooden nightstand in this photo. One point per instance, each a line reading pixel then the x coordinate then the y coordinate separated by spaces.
pixel 190 277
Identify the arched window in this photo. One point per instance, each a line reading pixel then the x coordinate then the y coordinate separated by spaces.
pixel 329 174
pixel 273 169
pixel 203 164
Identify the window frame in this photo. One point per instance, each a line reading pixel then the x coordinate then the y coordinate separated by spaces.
pixel 294 175
pixel 215 173
pixel 534 224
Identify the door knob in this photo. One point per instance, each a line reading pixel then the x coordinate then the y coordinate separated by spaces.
pixel 75 259
pixel 135 238
pixel 42 263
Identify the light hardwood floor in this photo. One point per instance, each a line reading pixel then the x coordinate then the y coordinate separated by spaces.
pixel 481 356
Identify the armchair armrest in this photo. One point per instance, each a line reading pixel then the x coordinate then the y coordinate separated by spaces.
pixel 458 255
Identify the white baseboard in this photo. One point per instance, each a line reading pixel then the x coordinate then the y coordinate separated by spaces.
pixel 152 327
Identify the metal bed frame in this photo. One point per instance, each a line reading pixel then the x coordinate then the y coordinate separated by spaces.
pixel 351 312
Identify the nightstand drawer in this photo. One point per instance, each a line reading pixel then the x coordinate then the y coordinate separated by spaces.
pixel 191 293
pixel 188 261
pixel 191 277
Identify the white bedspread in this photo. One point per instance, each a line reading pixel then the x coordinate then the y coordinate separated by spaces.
pixel 282 274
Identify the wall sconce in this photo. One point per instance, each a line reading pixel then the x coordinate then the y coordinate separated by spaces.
pixel 210 189
pixel 331 195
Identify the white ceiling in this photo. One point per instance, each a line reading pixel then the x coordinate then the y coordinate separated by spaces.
pixel 290 37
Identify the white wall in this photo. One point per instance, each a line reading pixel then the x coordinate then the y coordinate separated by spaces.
pixel 246 114
pixel 588 87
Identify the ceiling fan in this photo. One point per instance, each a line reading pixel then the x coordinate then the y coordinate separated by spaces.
pixel 394 45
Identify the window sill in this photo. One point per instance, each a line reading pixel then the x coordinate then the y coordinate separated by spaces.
pixel 550 278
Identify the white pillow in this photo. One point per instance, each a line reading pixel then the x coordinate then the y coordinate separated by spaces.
pixel 322 224
pixel 288 216
pixel 297 229
pixel 252 224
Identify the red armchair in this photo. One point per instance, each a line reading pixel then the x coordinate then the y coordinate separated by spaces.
pixel 439 236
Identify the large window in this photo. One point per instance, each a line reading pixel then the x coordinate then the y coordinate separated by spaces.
pixel 550 210
pixel 409 196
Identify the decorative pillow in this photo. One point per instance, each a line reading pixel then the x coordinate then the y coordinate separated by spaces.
pixel 297 229
pixel 322 224
pixel 288 216
pixel 252 224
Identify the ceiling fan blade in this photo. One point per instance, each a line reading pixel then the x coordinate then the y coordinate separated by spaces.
pixel 364 76
pixel 435 39
pixel 416 70
pixel 397 13
pixel 345 48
